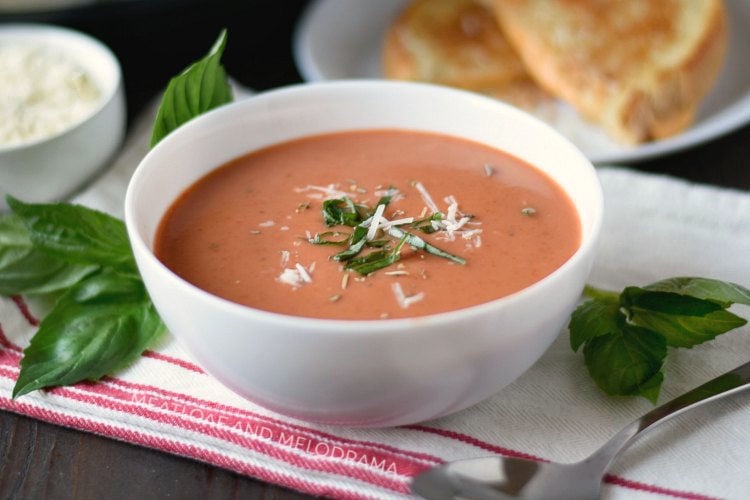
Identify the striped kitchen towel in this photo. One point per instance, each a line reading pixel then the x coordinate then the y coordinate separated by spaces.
pixel 655 227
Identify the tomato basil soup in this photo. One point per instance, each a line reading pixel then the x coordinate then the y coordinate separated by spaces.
pixel 369 224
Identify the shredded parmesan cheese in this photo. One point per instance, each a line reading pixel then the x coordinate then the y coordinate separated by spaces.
pixel 402 299
pixel 267 223
pixel 284 258
pixel 426 197
pixel 397 222
pixel 43 92
pixel 297 276
pixel 290 277
pixel 396 273
pixel 452 210
pixel 303 274
pixel 375 222
pixel 322 192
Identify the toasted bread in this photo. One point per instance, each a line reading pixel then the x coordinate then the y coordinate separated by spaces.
pixel 457 43
pixel 637 67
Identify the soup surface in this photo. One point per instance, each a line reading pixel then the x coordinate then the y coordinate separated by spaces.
pixel 252 231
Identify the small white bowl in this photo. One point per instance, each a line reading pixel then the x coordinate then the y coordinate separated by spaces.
pixel 361 373
pixel 53 167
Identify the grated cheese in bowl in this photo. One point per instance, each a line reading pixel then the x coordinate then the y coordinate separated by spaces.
pixel 42 92
pixel 62 110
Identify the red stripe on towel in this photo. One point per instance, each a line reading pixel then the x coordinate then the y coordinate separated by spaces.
pixel 175 361
pixel 475 442
pixel 648 488
pixel 25 311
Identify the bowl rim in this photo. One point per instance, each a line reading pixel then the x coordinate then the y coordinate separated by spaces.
pixel 25 29
pixel 364 326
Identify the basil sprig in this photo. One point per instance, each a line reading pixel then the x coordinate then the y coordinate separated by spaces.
pixel 99 325
pixel 626 336
pixel 201 87
pixel 102 318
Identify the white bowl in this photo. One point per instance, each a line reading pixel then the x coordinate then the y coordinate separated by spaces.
pixel 52 168
pixel 362 373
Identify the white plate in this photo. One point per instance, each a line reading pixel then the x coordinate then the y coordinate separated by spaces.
pixel 342 39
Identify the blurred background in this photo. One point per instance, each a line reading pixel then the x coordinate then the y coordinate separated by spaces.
pixel 154 39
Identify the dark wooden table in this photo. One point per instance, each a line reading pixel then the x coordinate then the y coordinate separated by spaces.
pixel 154 39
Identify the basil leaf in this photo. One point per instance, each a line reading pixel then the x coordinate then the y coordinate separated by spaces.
pixel 25 270
pixel 12 232
pixel 650 388
pixel 199 88
pixel 384 200
pixel 688 331
pixel 721 292
pixel 378 243
pixel 421 244
pixel 625 335
pixel 685 321
pixel 98 326
pixel 329 238
pixel 341 211
pixel 626 362
pixel 373 261
pixel 636 299
pixel 592 319
pixel 376 260
pixel 76 234
pixel 356 244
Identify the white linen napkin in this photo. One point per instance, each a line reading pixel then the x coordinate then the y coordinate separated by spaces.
pixel 655 227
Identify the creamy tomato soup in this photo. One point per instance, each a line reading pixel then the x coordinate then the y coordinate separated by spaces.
pixel 252 230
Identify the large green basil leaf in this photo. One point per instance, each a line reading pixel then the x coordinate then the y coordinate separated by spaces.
pixel 76 234
pixel 24 269
pixel 99 325
pixel 627 362
pixel 201 87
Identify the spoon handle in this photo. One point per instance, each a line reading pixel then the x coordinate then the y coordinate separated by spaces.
pixel 723 385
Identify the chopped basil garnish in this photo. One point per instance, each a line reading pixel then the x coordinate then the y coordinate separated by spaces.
pixel 356 244
pixel 376 260
pixel 344 212
pixel 330 238
pixel 421 244
pixel 425 225
pixel 341 211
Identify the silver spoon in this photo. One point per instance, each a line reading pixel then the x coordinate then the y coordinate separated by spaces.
pixel 503 477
